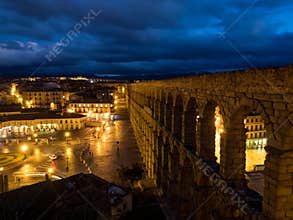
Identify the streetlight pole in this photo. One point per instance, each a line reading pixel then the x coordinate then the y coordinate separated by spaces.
pixel 66 136
pixel 67 168
pixel 24 149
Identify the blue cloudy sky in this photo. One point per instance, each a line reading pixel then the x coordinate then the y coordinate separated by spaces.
pixel 144 38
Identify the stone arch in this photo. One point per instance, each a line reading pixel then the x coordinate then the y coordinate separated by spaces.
pixel 153 102
pixel 162 108
pixel 233 154
pixel 165 173
pixel 187 200
pixel 175 164
pixel 169 112
pixel 208 131
pixel 190 123
pixel 174 181
pixel 160 158
pixel 279 155
pixel 178 115
pixel 157 109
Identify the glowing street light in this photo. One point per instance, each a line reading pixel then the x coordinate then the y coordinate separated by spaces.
pixel 67 134
pixel 1 169
pixel 24 148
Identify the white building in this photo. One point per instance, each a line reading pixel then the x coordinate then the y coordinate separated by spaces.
pixel 27 124
pixel 93 110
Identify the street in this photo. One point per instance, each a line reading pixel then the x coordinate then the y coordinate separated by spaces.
pixel 108 147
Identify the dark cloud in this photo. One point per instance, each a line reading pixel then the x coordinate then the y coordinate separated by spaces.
pixel 132 38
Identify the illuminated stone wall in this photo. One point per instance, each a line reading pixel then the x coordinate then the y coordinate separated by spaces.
pixel 158 108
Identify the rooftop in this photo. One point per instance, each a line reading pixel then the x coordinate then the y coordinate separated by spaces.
pixel 39 115
pixel 85 101
pixel 82 196
pixel 10 108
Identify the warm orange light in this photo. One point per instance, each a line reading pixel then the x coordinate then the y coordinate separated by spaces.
pixel 68 151
pixel 5 150
pixel 24 148
pixel 50 170
pixel 219 125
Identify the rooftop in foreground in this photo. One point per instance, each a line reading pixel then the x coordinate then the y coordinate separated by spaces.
pixel 82 196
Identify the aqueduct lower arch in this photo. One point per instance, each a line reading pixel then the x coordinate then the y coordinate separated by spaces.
pixel 174 125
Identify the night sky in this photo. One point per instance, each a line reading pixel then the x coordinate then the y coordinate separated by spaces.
pixel 143 38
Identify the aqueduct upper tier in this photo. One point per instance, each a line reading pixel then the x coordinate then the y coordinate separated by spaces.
pixel 174 122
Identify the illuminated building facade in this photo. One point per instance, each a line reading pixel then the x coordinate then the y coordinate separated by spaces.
pixel 95 111
pixel 43 99
pixel 27 124
pixel 255 132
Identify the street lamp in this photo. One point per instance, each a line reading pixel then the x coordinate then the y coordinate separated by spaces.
pixel 1 169
pixel 35 136
pixel 67 134
pixel 24 149
pixel 67 160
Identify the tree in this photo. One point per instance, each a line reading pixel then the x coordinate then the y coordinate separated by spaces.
pixel 132 174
